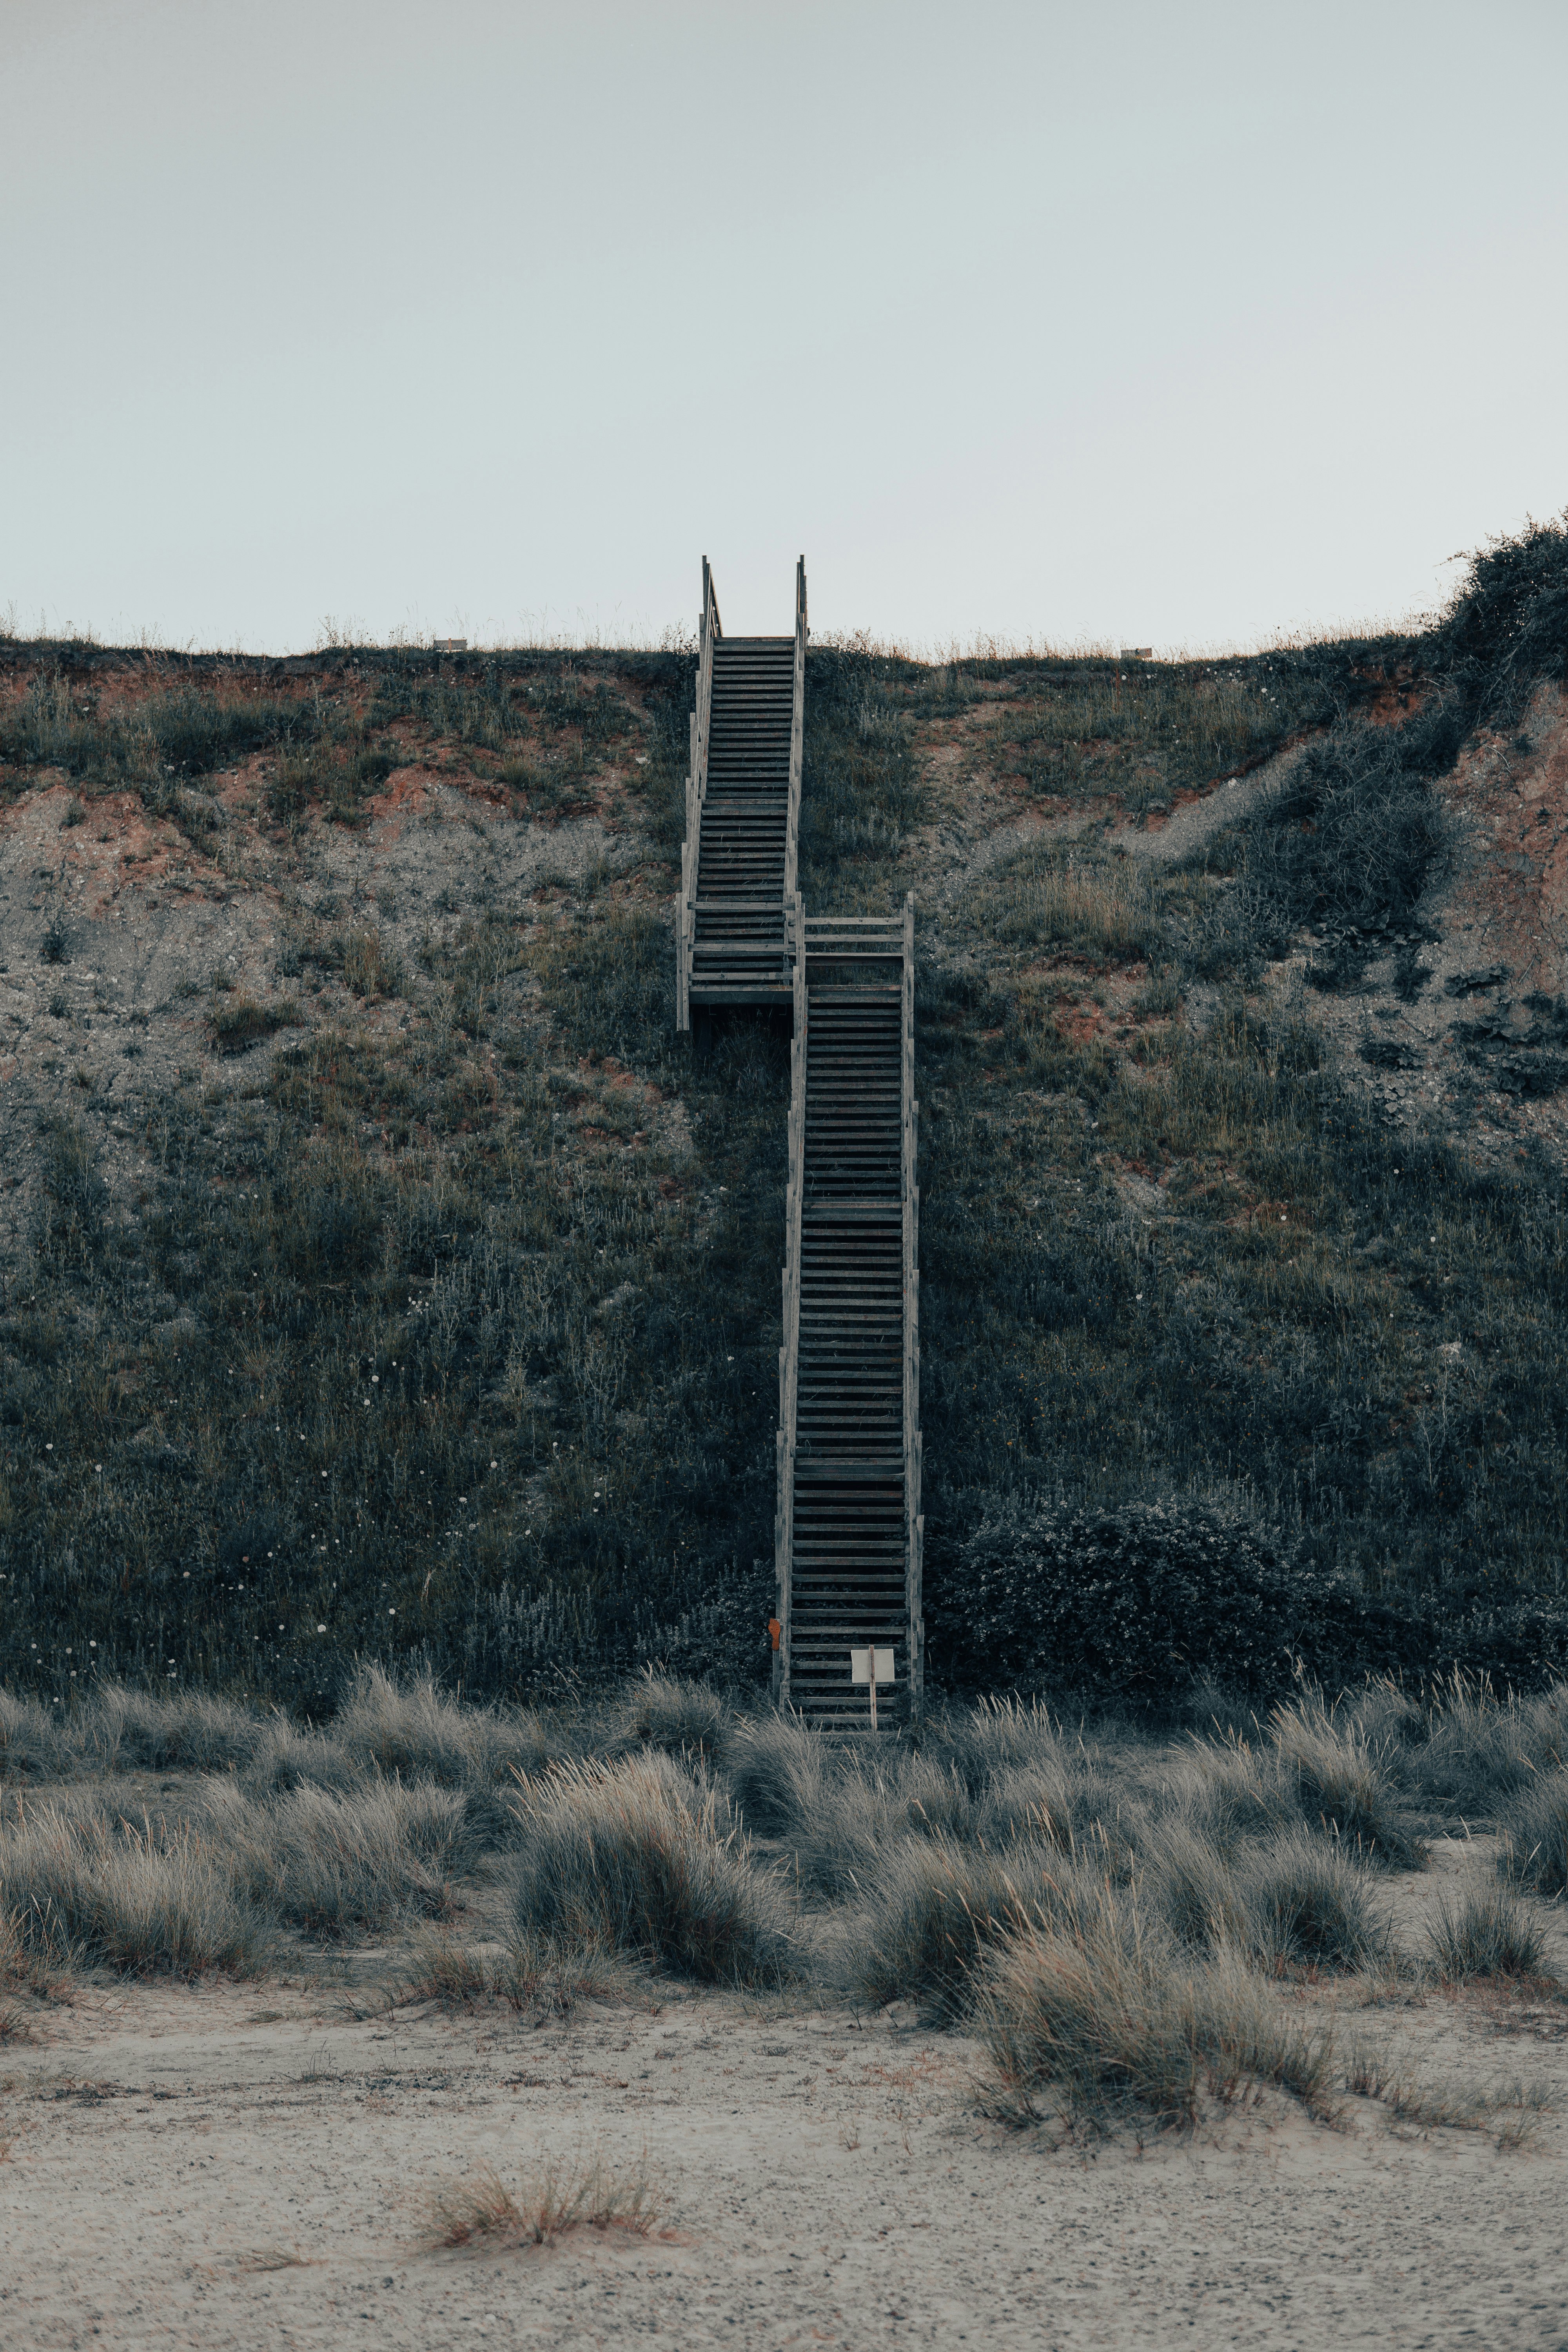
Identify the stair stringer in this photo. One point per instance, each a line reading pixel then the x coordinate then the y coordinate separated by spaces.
pixel 789 1348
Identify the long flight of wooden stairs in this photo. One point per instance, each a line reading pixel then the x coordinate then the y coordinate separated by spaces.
pixel 848 1528
pixel 848 1523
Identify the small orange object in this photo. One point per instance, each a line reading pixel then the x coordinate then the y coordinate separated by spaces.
pixel 776 1632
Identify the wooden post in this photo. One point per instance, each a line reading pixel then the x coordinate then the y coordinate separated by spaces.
pixel 871 1665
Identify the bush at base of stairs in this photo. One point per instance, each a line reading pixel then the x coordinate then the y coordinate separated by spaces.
pixel 1132 1604
pixel 1143 1603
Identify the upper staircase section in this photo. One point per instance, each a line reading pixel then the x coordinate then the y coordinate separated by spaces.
pixel 743 814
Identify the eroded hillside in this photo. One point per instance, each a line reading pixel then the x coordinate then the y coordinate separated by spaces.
pixel 381 1275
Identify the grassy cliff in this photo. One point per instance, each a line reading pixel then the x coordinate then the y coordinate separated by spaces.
pixel 382 1278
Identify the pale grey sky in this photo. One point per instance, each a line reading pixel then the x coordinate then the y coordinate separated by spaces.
pixel 1138 323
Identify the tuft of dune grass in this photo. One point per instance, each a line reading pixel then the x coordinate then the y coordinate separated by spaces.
pixel 33 1746
pixel 1304 1900
pixel 21 1970
pixel 837 1813
pixel 778 1768
pixel 935 1906
pixel 999 1734
pixel 1486 1935
pixel 1095 2016
pixel 1075 1803
pixel 1478 1751
pixel 207 1883
pixel 194 1730
pixel 331 1863
pixel 527 1972
pixel 1343 1781
pixel 639 1856
pixel 285 1757
pixel 1190 1882
pixel 79 1893
pixel 671 1713
pixel 1223 1792
pixel 411 1728
pixel 481 2207
pixel 929 1912
pixel 1535 1832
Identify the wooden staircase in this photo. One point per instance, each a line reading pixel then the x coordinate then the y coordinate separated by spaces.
pixel 847 1527
pixel 743 816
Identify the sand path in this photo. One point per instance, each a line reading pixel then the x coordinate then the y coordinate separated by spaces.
pixel 237 2167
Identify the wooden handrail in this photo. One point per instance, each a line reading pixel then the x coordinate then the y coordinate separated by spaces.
pixel 797 737
pixel 709 629
pixel 789 1351
pixel 893 926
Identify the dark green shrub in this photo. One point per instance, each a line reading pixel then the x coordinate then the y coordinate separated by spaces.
pixel 1128 1604
pixel 241 1023
pixel 1520 1644
pixel 1508 624
pixel 1351 838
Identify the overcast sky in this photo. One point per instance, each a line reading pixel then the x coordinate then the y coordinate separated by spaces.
pixel 1131 323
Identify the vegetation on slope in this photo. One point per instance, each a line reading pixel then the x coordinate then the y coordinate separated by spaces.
pixel 470 1365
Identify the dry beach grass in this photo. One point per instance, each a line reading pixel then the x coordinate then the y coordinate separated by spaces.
pixel 725 2026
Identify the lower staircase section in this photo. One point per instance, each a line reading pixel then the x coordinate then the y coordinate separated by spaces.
pixel 848 1523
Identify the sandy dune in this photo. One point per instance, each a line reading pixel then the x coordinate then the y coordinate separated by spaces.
pixel 237 2167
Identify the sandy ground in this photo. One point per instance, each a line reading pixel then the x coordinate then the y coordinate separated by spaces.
pixel 250 2166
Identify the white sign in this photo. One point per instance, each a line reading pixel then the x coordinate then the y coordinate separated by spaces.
pixel 873 1666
